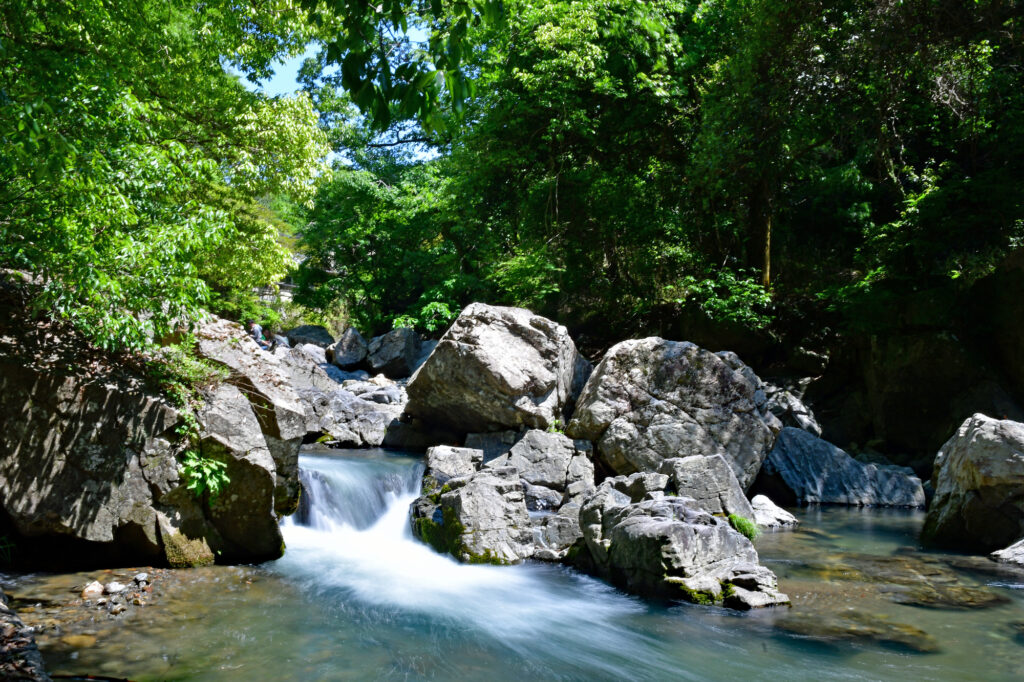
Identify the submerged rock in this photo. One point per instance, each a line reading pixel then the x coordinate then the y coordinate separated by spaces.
pixel 979 486
pixel 811 470
pixel 498 368
pixel 849 625
pixel 769 515
pixel 669 547
pixel 650 399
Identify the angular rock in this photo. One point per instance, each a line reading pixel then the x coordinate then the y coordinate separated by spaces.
pixel 92 590
pixel 710 482
pixel 482 518
pixel 498 368
pixel 347 419
pixel 1014 554
pixel 650 399
pixel 807 469
pixel 769 515
pixel 550 460
pixel 669 547
pixel 310 333
pixel 351 349
pixel 555 534
pixel 306 368
pixel 395 354
pixel 266 385
pixel 979 486
pixel 494 444
pixel 444 463
pixel 791 410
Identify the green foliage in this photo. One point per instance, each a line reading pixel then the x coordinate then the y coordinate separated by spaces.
pixel 745 526
pixel 203 475
pixel 556 426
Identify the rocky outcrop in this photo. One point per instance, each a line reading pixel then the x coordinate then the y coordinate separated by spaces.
pixel 710 482
pixel 669 547
pixel 806 469
pixel 770 516
pixel 351 349
pixel 979 486
pixel 267 386
pixel 787 406
pixel 307 367
pixel 498 368
pixel 650 399
pixel 1014 554
pixel 19 655
pixel 394 354
pixel 310 333
pixel 554 468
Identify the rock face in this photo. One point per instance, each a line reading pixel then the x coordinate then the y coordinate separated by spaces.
pixel 1014 554
pixel 310 333
pixel 979 486
pixel 650 399
pixel 769 515
pixel 499 368
pixel 710 482
pixel 266 384
pixel 554 468
pixel 351 349
pixel 395 354
pixel 791 410
pixel 669 547
pixel 807 469
pixel 19 655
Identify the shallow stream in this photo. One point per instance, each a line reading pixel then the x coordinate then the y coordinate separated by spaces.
pixel 356 597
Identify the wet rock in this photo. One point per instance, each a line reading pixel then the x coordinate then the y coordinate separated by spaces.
pixel 117 609
pixel 810 470
pixel 498 368
pixel 769 515
pixel 92 590
pixel 114 587
pixel 351 349
pixel 310 333
pixel 141 578
pixel 1014 554
pixel 710 482
pixel 859 626
pixel 979 486
pixel 650 399
pixel 395 353
pixel 948 597
pixel 19 655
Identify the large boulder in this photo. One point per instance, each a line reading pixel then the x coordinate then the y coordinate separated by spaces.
pixel 979 486
pixel 347 419
pixel 710 481
pixel 307 368
pixel 310 333
pixel 554 467
pixel 650 399
pixel 267 386
pixel 669 547
pixel 351 349
pixel 480 518
pixel 396 353
pixel 499 368
pixel 807 469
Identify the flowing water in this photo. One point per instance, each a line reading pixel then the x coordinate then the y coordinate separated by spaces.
pixel 356 597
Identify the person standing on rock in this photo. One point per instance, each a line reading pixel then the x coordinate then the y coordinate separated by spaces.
pixel 256 332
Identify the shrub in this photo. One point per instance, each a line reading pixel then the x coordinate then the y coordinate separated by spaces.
pixel 744 526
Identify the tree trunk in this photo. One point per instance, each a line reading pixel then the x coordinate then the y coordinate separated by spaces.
pixel 759 242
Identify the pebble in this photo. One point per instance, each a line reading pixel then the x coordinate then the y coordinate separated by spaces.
pixel 115 587
pixel 93 589
pixel 117 609
pixel 141 578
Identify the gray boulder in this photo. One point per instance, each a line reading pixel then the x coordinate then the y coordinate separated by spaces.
pixel 267 386
pixel 395 354
pixel 791 410
pixel 551 461
pixel 979 486
pixel 650 399
pixel 494 444
pixel 481 518
pixel 555 534
pixel 770 516
pixel 1014 554
pixel 669 547
pixel 310 333
pixel 351 349
pixel 306 368
pixel 444 463
pixel 807 469
pixel 498 368
pixel 347 419
pixel 710 482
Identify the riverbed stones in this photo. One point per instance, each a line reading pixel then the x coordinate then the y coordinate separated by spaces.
pixel 310 333
pixel 650 399
pixel 669 547
pixel 92 590
pixel 807 469
pixel 19 655
pixel 1014 554
pixel 394 354
pixel 979 486
pixel 499 368
pixel 350 350
pixel 711 483
pixel 770 516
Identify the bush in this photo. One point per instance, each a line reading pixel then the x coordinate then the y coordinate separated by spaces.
pixel 744 526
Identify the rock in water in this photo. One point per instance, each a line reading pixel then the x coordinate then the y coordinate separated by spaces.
pixel 669 547
pixel 499 368
pixel 19 655
pixel 650 399
pixel 979 486
pixel 310 333
pixel 92 590
pixel 552 465
pixel 769 515
pixel 812 470
pixel 710 482
pixel 395 354
pixel 1014 554
pixel 351 349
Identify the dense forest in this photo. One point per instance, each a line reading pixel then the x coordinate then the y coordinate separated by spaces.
pixel 619 166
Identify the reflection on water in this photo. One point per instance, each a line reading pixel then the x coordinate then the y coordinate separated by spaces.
pixel 356 597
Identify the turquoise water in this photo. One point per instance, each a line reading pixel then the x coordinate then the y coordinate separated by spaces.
pixel 356 598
